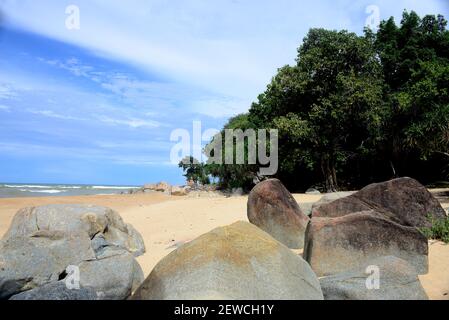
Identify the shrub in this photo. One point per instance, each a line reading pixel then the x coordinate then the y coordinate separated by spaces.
pixel 438 231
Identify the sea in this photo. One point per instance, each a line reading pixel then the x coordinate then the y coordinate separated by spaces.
pixel 15 190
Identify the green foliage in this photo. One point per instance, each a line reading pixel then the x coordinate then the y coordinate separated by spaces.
pixel 438 231
pixel 232 175
pixel 415 59
pixel 194 171
pixel 357 109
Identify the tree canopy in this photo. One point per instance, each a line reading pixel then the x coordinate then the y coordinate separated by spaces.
pixel 357 109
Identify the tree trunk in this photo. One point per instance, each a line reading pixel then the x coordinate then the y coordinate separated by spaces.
pixel 393 170
pixel 329 174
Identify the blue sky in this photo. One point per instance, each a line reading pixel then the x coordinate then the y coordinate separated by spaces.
pixel 97 105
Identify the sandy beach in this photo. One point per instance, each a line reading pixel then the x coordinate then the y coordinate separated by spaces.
pixel 167 222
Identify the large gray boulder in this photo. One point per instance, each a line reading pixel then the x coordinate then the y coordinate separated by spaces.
pixel 335 245
pixel 272 208
pixel 57 291
pixel 81 220
pixel 43 242
pixel 404 201
pixel 30 262
pixel 238 262
pixel 397 280
pixel 122 274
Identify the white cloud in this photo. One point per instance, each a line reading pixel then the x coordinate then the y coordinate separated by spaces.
pixel 6 91
pixel 138 93
pixel 52 114
pixel 229 48
pixel 72 65
pixel 132 122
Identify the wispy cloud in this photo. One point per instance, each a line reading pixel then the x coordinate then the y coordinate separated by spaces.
pixel 7 92
pixel 228 47
pixel 72 65
pixel 133 122
pixel 4 108
pixel 52 114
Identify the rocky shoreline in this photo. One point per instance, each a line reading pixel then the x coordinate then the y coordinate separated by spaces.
pixel 191 190
pixel 345 238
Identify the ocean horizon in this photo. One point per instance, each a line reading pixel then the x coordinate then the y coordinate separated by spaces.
pixel 23 190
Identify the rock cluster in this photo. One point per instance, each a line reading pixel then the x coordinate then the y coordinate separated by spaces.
pixel 382 219
pixel 348 231
pixel 358 246
pixel 162 187
pixel 45 244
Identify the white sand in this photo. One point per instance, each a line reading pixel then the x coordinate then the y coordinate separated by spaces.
pixel 167 222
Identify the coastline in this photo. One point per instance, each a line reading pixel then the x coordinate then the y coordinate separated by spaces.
pixel 167 222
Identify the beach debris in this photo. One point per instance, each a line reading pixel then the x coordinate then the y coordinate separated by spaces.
pixel 272 208
pixel 239 261
pixel 402 200
pixel 335 245
pixel 42 242
pixel 385 278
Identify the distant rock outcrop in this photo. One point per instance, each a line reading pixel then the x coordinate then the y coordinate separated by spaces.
pixel 179 191
pixel 43 242
pixel 238 262
pixel 404 201
pixel 164 187
pixel 335 245
pixel 386 278
pixel 272 208
pixel 313 191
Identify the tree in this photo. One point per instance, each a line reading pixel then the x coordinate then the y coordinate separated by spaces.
pixel 415 60
pixel 357 109
pixel 194 171
pixel 232 175
pixel 327 106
